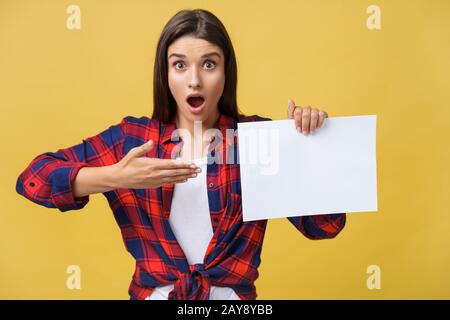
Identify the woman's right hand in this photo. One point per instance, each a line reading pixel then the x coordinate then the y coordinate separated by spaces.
pixel 136 172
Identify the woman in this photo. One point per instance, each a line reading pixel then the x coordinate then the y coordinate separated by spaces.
pixel 179 209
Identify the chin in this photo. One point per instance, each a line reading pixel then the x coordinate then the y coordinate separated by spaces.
pixel 197 117
pixel 203 116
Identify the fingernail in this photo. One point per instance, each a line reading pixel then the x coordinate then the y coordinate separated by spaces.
pixel 198 170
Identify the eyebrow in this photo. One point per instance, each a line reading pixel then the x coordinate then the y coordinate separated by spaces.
pixel 179 55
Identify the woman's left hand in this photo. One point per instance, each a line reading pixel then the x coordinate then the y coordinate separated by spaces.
pixel 307 119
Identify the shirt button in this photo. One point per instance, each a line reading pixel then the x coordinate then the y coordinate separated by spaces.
pixel 211 184
pixel 32 184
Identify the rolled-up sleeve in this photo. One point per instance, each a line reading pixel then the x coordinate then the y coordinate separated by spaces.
pixel 48 179
pixel 316 227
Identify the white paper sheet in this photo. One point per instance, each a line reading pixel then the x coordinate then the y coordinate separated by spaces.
pixel 285 173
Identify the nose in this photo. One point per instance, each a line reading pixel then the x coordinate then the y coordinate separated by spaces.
pixel 194 81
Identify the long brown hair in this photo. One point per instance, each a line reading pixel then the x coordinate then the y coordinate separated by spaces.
pixel 200 24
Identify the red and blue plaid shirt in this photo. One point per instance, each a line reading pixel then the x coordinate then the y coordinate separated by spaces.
pixel 233 255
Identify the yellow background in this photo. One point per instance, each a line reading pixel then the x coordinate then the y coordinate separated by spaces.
pixel 59 86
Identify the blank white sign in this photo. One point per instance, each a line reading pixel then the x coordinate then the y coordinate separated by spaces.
pixel 285 173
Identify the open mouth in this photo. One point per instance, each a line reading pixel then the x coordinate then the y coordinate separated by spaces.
pixel 195 101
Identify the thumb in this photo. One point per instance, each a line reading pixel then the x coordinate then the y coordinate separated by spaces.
pixel 143 149
pixel 291 108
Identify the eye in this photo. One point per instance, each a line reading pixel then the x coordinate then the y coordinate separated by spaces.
pixel 210 64
pixel 177 64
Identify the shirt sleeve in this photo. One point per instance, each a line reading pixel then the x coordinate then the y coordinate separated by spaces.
pixel 316 227
pixel 48 179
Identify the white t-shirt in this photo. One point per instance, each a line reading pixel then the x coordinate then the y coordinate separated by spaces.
pixel 191 224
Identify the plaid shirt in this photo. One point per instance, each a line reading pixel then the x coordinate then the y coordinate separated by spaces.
pixel 233 255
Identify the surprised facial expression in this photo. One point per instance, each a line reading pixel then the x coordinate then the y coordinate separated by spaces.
pixel 196 77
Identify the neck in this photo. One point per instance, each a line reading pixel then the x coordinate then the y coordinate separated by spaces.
pixel 199 140
pixel 193 126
